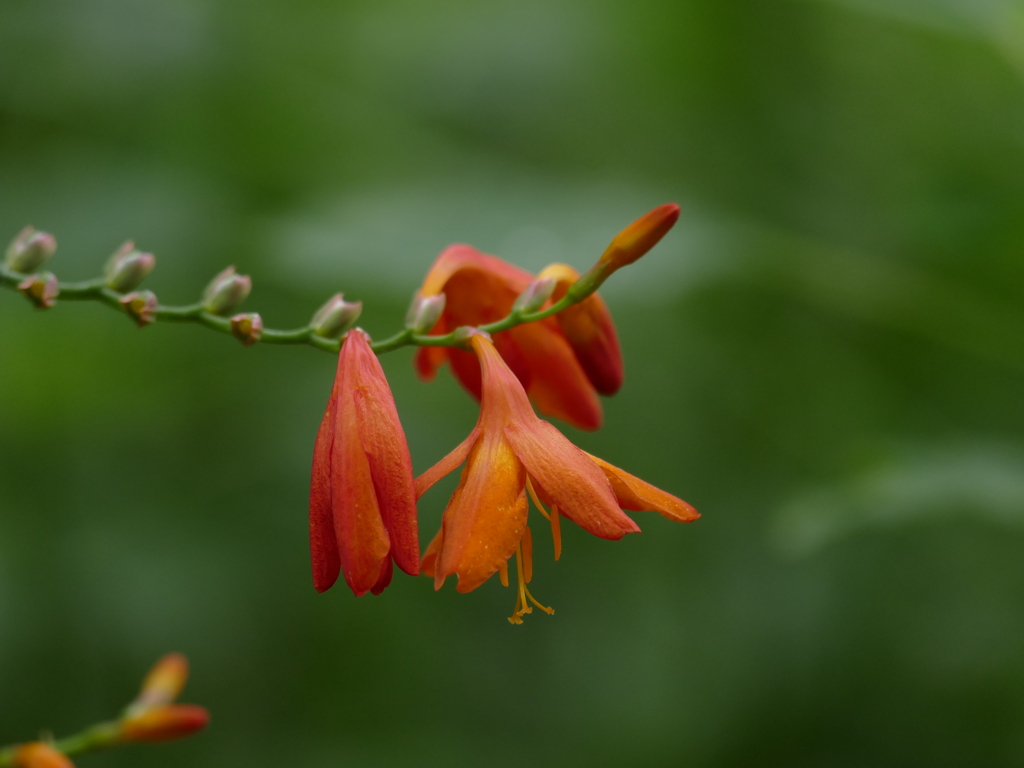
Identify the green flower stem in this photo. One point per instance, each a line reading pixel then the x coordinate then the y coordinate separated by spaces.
pixel 95 290
pixel 95 737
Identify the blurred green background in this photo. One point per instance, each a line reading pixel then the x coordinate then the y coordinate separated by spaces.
pixel 826 357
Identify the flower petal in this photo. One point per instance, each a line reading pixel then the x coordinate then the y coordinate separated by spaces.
pixel 568 477
pixel 558 385
pixel 446 465
pixel 486 516
pixel 386 451
pixel 363 542
pixel 589 329
pixel 638 495
pixel 323 545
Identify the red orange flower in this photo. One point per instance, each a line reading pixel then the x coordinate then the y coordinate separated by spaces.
pixel 510 452
pixel 362 506
pixel 481 289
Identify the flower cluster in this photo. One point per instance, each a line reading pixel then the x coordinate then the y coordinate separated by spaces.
pixel 151 718
pixel 363 492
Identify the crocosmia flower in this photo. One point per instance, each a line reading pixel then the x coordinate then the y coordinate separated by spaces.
pixel 481 289
pixel 362 505
pixel 511 452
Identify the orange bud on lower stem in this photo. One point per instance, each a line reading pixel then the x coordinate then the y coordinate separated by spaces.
pixel 37 754
pixel 164 723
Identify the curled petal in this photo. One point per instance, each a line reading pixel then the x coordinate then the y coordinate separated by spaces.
pixel 569 479
pixel 638 495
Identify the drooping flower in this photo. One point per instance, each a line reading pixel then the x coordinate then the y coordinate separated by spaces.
pixel 481 289
pixel 362 504
pixel 511 452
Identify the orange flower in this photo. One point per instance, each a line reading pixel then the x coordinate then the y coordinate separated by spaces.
pixel 362 506
pixel 511 452
pixel 37 754
pixel 481 289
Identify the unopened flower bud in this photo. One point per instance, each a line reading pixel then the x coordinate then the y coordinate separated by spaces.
pixel 164 722
pixel 225 292
pixel 127 268
pixel 535 295
pixel 164 682
pixel 335 317
pixel 29 250
pixel 141 305
pixel 42 289
pixel 424 312
pixel 628 246
pixel 247 328
pixel 37 754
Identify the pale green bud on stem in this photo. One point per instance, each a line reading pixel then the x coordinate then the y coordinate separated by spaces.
pixel 29 250
pixel 225 292
pixel 42 289
pixel 247 328
pixel 335 317
pixel 127 268
pixel 536 293
pixel 424 312
pixel 141 306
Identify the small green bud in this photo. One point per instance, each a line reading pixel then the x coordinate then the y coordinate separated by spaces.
pixel 536 293
pixel 127 268
pixel 29 250
pixel 225 292
pixel 141 306
pixel 247 328
pixel 41 289
pixel 424 312
pixel 335 317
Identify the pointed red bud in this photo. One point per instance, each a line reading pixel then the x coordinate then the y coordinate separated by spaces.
pixel 127 268
pixel 424 312
pixel 29 250
pixel 141 306
pixel 164 723
pixel 247 328
pixel 164 682
pixel 335 317
pixel 38 754
pixel 42 289
pixel 535 295
pixel 226 291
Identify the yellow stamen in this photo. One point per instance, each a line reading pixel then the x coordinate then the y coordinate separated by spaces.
pixel 527 546
pixel 524 598
pixel 503 573
pixel 536 500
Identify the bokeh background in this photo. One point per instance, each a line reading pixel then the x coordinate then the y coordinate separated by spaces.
pixel 826 357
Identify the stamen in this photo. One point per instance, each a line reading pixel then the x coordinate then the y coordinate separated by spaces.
pixel 536 499
pixel 524 571
pixel 527 546
pixel 503 573
pixel 556 531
